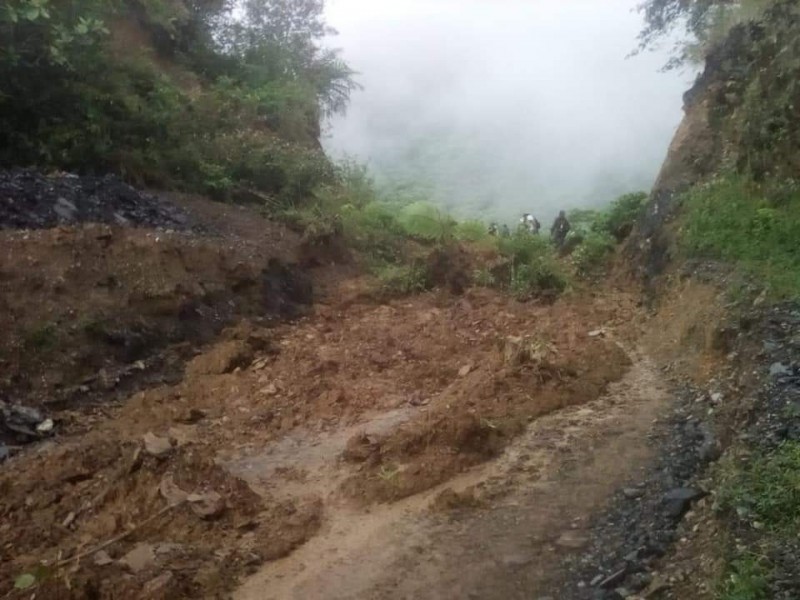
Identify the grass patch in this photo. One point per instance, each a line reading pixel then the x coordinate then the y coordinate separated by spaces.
pixel 763 495
pixel 754 225
pixel 746 578
pixel 766 490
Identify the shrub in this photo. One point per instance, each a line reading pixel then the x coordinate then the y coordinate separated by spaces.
pixel 401 280
pixel 484 278
pixel 592 254
pixel 427 222
pixel 619 218
pixel 471 231
pixel 754 225
pixel 534 268
pixel 540 277
pixel 523 248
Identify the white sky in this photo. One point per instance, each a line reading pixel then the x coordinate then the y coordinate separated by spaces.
pixel 505 105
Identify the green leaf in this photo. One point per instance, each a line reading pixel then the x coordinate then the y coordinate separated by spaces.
pixel 24 581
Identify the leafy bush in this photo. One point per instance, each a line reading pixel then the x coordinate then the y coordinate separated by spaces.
pixel 755 225
pixel 534 269
pixel 425 221
pixel 592 254
pixel 401 280
pixel 619 218
pixel 484 278
pixel 523 248
pixel 540 277
pixel 471 231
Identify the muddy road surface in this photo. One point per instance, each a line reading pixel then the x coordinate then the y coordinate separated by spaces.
pixel 498 530
pixel 434 446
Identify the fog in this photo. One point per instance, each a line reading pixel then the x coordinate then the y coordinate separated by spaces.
pixel 494 107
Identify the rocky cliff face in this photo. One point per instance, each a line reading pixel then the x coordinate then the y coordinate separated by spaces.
pixel 742 114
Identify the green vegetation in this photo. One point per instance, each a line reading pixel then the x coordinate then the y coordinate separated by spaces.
pixel 595 233
pixel 223 97
pixel 484 278
pixel 402 280
pixel 763 494
pixel 617 220
pixel 745 579
pixel 766 490
pixel 592 255
pixel 754 225
pixel 706 23
pixel 534 268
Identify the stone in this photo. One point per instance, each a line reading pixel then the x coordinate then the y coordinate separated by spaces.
pixel 101 558
pixel 171 492
pixel 516 560
pixel 158 588
pixel 156 445
pixel 140 558
pixel 45 426
pixel 65 209
pixel 270 390
pixel 209 505
pixel 778 369
pixel 574 540
pixel 633 493
pixel 678 500
pixel 465 370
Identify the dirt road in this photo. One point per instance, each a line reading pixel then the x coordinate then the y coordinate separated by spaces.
pixel 509 521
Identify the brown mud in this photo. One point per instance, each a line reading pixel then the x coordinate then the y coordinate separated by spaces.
pixel 365 448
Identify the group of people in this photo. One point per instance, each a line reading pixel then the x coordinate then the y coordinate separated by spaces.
pixel 530 224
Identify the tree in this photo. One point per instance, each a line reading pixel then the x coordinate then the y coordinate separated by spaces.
pixel 704 23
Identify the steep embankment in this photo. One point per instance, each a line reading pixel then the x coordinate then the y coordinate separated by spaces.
pixel 741 116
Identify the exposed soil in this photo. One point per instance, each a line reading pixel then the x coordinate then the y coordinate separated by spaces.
pixel 215 433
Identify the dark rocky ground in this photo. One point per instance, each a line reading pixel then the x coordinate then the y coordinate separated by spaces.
pixel 29 199
pixel 634 539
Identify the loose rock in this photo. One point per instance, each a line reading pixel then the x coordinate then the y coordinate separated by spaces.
pixel 171 492
pixel 140 558
pixel 156 446
pixel 678 500
pixel 209 505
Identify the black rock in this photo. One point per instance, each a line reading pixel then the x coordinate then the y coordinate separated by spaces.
pixel 678 500
pixel 29 199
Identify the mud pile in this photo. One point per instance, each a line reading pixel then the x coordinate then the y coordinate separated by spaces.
pixel 30 199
